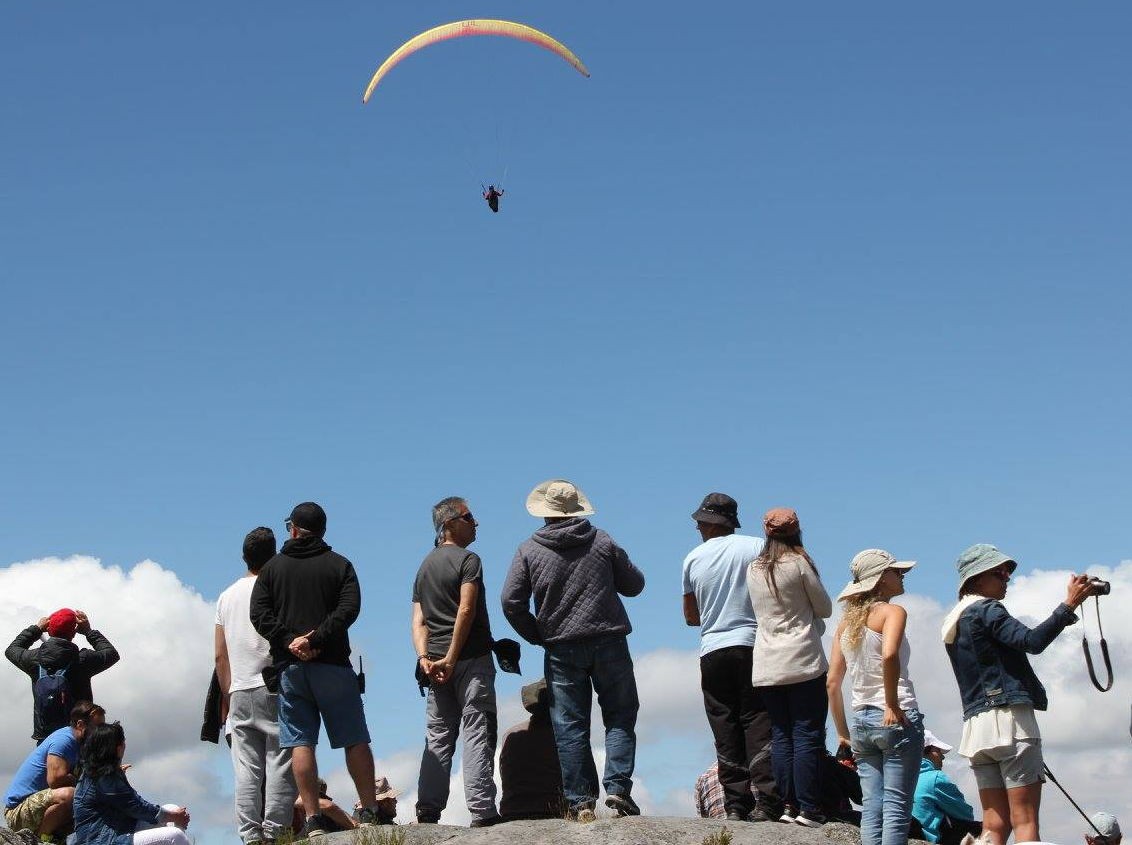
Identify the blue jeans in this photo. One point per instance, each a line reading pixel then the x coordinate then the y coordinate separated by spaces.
pixel 571 668
pixel 797 721
pixel 888 761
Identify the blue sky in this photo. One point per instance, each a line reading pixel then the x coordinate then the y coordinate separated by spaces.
pixel 868 261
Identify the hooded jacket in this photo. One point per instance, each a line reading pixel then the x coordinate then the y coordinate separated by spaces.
pixel 937 798
pixel 57 653
pixel 307 587
pixel 576 574
pixel 987 648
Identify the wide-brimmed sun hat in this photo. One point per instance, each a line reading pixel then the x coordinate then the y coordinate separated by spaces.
pixel 558 497
pixel 867 568
pixel 980 558
pixel 383 790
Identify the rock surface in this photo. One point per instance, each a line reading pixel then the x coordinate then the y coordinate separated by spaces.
pixel 632 830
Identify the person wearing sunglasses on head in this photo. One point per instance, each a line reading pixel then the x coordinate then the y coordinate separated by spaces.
pixel 999 690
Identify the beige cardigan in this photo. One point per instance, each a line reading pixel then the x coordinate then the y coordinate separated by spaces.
pixel 788 647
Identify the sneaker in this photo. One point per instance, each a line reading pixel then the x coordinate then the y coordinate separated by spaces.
pixel 809 818
pixel 366 816
pixel 788 814
pixel 735 816
pixel 490 821
pixel 622 804
pixel 760 815
pixel 315 825
pixel 428 817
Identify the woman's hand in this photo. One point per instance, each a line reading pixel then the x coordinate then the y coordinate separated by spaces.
pixel 1079 590
pixel 844 742
pixel 179 817
pixel 894 716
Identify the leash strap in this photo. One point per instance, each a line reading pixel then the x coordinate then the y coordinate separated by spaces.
pixel 1104 653
pixel 1077 807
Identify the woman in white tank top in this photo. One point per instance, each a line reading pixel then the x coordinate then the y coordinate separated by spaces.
pixel 887 732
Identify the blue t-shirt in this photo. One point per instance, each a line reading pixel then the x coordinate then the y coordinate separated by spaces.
pixel 716 572
pixel 31 777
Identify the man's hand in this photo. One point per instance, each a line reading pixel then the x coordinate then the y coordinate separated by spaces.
pixel 82 622
pixel 440 671
pixel 42 623
pixel 301 647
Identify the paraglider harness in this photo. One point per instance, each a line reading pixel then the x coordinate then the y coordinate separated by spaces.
pixel 1103 590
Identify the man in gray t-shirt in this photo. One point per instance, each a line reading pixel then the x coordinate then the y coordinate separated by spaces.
pixel 452 637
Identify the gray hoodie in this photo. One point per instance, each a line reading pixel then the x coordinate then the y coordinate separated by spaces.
pixel 576 575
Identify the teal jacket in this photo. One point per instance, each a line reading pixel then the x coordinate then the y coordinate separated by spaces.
pixel 937 797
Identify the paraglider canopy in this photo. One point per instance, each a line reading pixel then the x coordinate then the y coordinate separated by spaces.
pixel 460 29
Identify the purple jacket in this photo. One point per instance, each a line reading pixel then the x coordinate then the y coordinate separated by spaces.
pixel 575 573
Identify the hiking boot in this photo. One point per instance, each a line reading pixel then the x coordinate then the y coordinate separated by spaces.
pixel 623 805
pixel 735 816
pixel 428 817
pixel 490 821
pixel 367 816
pixel 760 815
pixel 584 814
pixel 809 818
pixel 315 825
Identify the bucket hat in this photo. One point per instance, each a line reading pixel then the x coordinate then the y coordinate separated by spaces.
pixel 558 497
pixel 534 696
pixel 383 790
pixel 867 567
pixel 1106 823
pixel 718 508
pixel 980 558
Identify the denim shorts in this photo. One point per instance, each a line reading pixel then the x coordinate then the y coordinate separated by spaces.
pixel 1020 764
pixel 308 691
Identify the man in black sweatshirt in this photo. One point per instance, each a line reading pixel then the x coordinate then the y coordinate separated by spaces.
pixel 303 603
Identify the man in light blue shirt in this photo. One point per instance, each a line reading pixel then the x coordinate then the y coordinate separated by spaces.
pixel 717 601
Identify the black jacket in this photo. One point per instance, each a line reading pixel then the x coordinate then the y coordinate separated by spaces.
pixel 303 588
pixel 57 653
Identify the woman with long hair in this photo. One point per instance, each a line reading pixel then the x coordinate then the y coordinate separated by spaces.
pixel 999 690
pixel 108 811
pixel 789 662
pixel 887 734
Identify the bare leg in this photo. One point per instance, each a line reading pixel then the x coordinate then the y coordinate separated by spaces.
pixel 58 816
pixel 1024 804
pixel 996 815
pixel 359 763
pixel 305 769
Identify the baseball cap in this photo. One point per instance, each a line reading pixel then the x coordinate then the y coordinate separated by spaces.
pixel 310 517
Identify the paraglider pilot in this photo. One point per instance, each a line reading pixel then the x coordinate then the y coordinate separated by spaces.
pixel 492 196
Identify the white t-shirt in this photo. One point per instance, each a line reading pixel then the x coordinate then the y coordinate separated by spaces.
pixel 716 573
pixel 248 652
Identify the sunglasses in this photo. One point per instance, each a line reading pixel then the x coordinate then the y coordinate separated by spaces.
pixel 467 517
pixel 287 524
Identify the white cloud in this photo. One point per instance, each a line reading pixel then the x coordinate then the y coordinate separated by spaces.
pixel 163 630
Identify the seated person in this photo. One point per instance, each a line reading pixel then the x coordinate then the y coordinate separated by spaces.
pixel 840 788
pixel 939 807
pixel 41 795
pixel 336 818
pixel 108 811
pixel 1109 829
pixel 528 763
pixel 386 797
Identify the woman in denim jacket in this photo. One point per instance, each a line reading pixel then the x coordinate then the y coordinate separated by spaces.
pixel 108 811
pixel 887 734
pixel 999 690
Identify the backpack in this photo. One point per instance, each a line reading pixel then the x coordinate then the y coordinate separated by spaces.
pixel 51 699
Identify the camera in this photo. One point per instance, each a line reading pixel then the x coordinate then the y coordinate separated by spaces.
pixel 1099 587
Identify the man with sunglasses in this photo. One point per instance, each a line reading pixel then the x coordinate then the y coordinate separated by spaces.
pixel 452 638
pixel 303 603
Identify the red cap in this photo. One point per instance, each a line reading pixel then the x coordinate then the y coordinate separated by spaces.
pixel 62 623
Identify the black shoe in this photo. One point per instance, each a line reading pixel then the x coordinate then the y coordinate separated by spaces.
pixel 760 815
pixel 490 821
pixel 735 816
pixel 809 818
pixel 623 805
pixel 428 817
pixel 315 825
